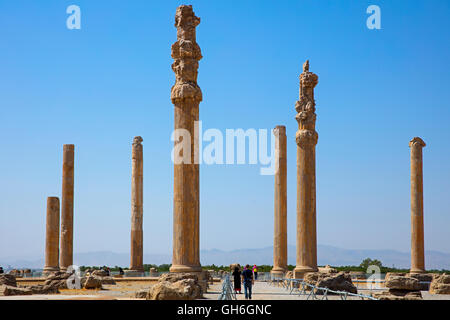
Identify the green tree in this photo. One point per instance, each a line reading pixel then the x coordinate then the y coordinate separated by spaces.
pixel 369 262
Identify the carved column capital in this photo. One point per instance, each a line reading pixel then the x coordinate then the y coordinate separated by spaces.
pixel 137 140
pixel 306 138
pixel 279 130
pixel 306 108
pixel 186 53
pixel 416 141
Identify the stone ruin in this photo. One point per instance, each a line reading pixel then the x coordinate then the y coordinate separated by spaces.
pixel 174 286
pixel 440 284
pixel 54 282
pixel 186 96
pixel 401 287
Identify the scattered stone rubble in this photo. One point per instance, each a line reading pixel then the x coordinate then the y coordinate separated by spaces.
pixel 171 286
pixel 401 287
pixel 336 281
pixel 440 284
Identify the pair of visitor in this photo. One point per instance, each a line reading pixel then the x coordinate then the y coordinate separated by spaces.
pixel 247 279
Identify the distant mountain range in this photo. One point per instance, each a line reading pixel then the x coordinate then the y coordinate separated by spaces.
pixel 326 255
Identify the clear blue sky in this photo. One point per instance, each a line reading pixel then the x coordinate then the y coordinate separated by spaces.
pixel 100 86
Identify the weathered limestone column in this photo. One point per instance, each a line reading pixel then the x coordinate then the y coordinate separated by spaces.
pixel 137 175
pixel 66 252
pixel 186 96
pixel 280 209
pixel 306 138
pixel 52 236
pixel 417 238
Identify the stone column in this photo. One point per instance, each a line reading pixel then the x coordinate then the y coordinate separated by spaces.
pixel 417 239
pixel 186 96
pixel 52 236
pixel 66 252
pixel 280 202
pixel 306 138
pixel 137 251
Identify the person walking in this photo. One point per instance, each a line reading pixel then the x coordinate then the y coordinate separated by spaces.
pixel 247 279
pixel 255 272
pixel 1 270
pixel 237 279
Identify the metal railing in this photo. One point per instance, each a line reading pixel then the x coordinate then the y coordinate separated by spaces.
pixel 300 287
pixel 227 290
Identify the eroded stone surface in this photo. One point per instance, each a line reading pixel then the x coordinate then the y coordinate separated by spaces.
pixel 91 282
pixel 181 286
pixel 186 96
pixel 141 294
pixel 66 247
pixel 57 280
pixel 52 236
pixel 44 289
pixel 137 199
pixel 417 230
pixel 8 279
pixel 424 279
pixel 306 138
pixel 280 204
pixel 187 289
pixel 100 275
pixel 440 284
pixel 335 281
pixel 402 283
pixel 327 269
pixel 6 290
pixel 401 287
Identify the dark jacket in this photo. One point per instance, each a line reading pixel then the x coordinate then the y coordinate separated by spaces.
pixel 248 276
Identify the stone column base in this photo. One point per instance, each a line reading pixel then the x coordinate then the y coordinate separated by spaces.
pixel 185 268
pixel 300 271
pixel 417 271
pixel 48 270
pixel 278 272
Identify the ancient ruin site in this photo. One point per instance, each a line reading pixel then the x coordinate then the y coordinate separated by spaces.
pixel 380 179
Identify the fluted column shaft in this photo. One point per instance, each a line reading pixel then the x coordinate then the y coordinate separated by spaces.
pixel 66 252
pixel 137 188
pixel 186 96
pixel 280 204
pixel 52 236
pixel 417 229
pixel 306 138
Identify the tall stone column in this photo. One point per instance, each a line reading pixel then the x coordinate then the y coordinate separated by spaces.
pixel 306 138
pixel 186 96
pixel 66 252
pixel 280 209
pixel 52 236
pixel 137 175
pixel 417 236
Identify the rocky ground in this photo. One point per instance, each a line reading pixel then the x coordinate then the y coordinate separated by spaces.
pixel 125 290
pixel 180 286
